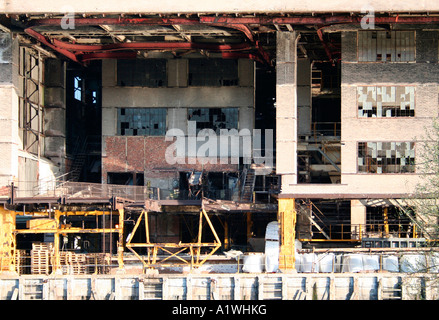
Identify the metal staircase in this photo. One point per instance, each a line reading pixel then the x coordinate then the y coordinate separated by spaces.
pixel 248 184
pixel 306 211
pixel 80 156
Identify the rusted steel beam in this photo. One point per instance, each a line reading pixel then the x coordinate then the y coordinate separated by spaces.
pixel 107 55
pixel 151 46
pixel 48 43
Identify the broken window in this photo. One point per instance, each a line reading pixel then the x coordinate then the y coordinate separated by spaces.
pixel 386 157
pixel 142 73
pixel 214 118
pixel 384 102
pixel 213 72
pixel 395 46
pixel 77 88
pixel 94 97
pixel 141 121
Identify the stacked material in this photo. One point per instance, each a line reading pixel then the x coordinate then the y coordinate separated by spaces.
pixel 41 254
pixel 272 247
pixel 20 261
pixel 97 263
pixel 73 263
pixel 253 262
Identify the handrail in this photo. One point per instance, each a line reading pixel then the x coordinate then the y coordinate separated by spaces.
pixel 356 232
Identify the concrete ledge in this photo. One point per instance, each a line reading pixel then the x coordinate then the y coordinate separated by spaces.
pixel 213 6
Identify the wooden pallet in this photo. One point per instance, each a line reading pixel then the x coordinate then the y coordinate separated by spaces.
pixel 97 263
pixel 40 262
pixel 73 263
pixel 42 246
pixel 78 263
pixel 41 256
pixel 21 258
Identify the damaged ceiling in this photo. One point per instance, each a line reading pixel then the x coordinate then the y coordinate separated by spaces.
pixel 82 38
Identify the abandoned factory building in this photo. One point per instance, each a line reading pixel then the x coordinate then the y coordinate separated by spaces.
pixel 174 137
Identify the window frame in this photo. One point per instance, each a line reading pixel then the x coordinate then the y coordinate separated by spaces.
pixel 120 122
pixel 384 59
pixel 413 165
pixel 384 117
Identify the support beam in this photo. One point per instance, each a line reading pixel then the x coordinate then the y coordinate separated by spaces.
pixel 120 242
pixel 7 240
pixel 286 107
pixel 358 219
pixel 287 228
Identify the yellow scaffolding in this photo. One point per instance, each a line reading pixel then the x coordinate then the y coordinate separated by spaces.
pixel 287 226
pixel 50 224
pixel 173 249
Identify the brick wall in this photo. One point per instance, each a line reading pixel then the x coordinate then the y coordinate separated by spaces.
pixel 147 154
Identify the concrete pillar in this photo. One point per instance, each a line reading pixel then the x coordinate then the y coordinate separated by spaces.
pixel 8 109
pixel 358 218
pixel 178 72
pixel 55 111
pixel 286 140
pixel 286 107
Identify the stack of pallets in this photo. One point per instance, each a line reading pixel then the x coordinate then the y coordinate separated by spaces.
pixel 65 261
pixel 41 254
pixel 73 263
pixel 21 261
pixel 97 263
pixel 78 263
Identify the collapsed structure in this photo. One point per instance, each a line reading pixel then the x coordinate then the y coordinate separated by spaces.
pixel 333 106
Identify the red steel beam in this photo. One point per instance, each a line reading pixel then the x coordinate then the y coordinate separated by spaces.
pixel 151 46
pixel 237 55
pixel 325 45
pixel 140 21
pixel 81 53
pixel 47 42
pixel 107 55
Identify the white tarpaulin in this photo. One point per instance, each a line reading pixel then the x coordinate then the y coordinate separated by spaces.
pixel 390 263
pixel 253 262
pixel 272 247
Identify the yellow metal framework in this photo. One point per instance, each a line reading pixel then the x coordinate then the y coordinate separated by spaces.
pixel 174 249
pixel 287 225
pixel 7 240
pixel 52 225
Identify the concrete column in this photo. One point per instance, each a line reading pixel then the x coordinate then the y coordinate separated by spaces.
pixel 358 218
pixel 286 107
pixel 55 111
pixel 8 109
pixel 177 73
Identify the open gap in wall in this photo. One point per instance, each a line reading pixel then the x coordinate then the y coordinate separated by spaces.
pixel 126 178
pixel 319 159
pixel 83 122
pixel 383 222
